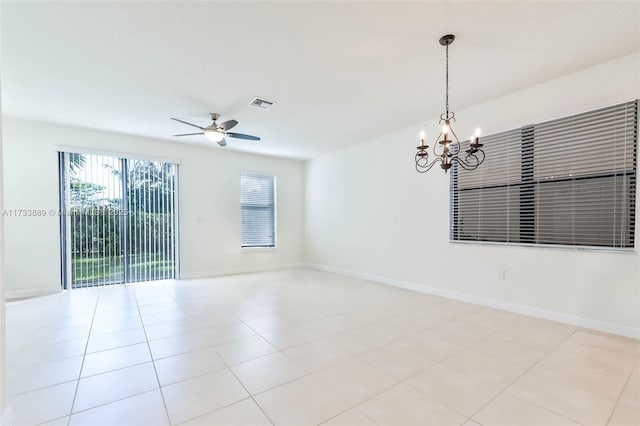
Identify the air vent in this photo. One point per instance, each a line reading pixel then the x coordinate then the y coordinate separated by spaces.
pixel 261 103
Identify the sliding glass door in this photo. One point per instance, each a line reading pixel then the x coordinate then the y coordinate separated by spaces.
pixel 151 231
pixel 119 221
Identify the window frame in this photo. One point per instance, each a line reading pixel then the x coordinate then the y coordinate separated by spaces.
pixel 527 180
pixel 274 209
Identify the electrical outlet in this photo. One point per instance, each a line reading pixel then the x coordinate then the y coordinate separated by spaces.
pixel 502 273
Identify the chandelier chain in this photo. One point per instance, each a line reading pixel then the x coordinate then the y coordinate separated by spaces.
pixel 447 82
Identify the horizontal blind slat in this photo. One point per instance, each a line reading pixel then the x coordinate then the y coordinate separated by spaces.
pixel 257 210
pixel 568 181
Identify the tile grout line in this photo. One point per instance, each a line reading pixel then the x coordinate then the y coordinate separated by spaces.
pixel 464 347
pixel 405 381
pixel 116 369
pixel 111 402
pixel 155 370
pixel 281 351
pixel 622 391
pixel 400 381
pixel 543 357
pixel 250 395
pixel 525 372
pixel 355 406
pixel 75 394
pixel 111 371
pixel 308 373
pixel 215 411
pixel 581 387
pixel 365 416
pixel 43 387
pixel 352 356
pixel 40 346
pixel 228 367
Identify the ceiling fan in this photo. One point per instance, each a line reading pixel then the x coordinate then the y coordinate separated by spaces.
pixel 216 132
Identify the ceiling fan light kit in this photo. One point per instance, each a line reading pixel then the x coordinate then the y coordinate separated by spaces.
pixel 447 151
pixel 216 132
pixel 213 135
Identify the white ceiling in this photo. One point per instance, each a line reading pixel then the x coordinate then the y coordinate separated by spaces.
pixel 340 72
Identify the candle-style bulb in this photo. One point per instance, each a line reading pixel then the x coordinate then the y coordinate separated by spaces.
pixel 478 132
pixel 445 129
pixel 422 135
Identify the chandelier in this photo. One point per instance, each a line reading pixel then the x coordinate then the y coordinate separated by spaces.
pixel 448 150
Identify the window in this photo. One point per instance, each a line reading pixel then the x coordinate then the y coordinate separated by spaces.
pixel 257 210
pixel 569 182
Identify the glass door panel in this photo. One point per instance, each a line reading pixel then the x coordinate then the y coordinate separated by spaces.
pixel 120 220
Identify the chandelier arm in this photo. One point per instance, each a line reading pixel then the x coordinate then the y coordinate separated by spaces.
pixel 436 144
pixel 474 155
pixel 470 160
pixel 453 132
pixel 424 169
pixel 476 161
pixel 469 165
pixel 464 164
pixel 483 156
pixel 421 161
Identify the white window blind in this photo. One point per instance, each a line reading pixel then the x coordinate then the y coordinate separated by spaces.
pixel 257 210
pixel 570 181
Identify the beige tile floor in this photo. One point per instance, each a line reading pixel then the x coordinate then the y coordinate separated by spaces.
pixel 304 347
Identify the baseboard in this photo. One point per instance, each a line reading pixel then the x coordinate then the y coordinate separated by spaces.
pixel 603 326
pixel 211 274
pixel 13 295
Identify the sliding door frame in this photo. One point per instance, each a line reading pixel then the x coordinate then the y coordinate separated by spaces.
pixel 64 187
pixel 65 219
pixel 176 221
pixel 124 219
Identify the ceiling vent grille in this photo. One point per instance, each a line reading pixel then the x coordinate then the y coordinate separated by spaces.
pixel 261 103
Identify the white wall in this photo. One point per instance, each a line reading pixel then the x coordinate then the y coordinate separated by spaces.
pixel 209 203
pixel 4 415
pixel 368 212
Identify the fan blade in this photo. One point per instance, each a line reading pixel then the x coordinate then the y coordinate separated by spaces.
pixel 243 136
pixel 228 125
pixel 189 134
pixel 187 123
pixel 222 143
